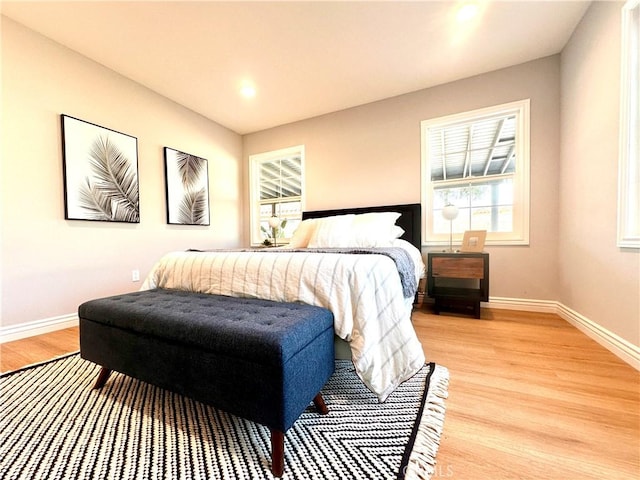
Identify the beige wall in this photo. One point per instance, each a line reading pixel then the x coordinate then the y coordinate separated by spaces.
pixel 597 279
pixel 49 265
pixel 370 155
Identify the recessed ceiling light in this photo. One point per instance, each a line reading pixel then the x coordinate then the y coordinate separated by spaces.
pixel 248 91
pixel 467 12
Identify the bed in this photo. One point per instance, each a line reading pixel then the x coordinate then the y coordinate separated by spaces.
pixel 344 260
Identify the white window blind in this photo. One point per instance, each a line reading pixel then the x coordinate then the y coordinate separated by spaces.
pixel 276 190
pixel 478 161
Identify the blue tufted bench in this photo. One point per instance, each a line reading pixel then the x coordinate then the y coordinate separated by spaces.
pixel 261 360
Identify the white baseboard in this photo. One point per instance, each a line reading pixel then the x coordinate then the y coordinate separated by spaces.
pixel 522 304
pixel 618 346
pixel 37 327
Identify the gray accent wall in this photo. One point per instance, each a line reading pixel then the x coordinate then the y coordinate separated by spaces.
pixel 595 277
pixel 50 265
pixel 370 155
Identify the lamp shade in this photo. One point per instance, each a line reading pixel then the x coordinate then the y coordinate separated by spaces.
pixel 450 212
pixel 274 222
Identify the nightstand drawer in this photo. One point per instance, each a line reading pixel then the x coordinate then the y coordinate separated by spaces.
pixel 458 280
pixel 457 267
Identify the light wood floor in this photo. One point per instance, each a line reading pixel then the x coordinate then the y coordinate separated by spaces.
pixel 530 396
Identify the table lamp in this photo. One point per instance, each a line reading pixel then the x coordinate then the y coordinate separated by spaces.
pixel 450 212
pixel 274 223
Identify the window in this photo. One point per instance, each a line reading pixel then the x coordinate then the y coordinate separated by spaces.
pixel 276 190
pixel 629 163
pixel 478 161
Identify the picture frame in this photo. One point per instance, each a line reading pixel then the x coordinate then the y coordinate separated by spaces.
pixel 100 171
pixel 473 241
pixel 187 188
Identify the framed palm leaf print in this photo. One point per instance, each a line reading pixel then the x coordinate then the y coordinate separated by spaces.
pixel 187 178
pixel 100 169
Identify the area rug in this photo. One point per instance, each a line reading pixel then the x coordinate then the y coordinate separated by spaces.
pixel 54 426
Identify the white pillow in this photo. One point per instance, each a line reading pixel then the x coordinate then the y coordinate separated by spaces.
pixel 375 229
pixel 303 233
pixel 396 232
pixel 331 232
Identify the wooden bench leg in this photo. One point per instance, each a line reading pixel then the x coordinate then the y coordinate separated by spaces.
pixel 318 401
pixel 103 376
pixel 277 453
pixel 277 440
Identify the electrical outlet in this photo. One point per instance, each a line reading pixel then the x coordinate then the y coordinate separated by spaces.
pixel 135 275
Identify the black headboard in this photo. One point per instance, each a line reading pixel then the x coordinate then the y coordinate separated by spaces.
pixel 409 221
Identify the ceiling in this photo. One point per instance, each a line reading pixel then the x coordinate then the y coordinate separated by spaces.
pixel 303 58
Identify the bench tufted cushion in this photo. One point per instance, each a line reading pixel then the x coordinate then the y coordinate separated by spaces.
pixel 261 360
pixel 251 329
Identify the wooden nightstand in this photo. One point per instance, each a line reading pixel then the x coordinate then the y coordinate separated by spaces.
pixel 458 280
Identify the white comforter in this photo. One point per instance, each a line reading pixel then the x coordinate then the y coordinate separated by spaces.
pixel 363 292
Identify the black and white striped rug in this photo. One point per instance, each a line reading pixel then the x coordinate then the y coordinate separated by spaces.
pixel 54 426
